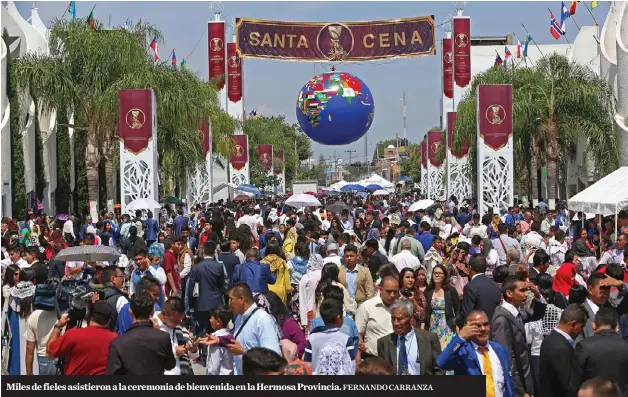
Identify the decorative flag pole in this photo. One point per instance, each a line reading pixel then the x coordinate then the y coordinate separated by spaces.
pixel 531 39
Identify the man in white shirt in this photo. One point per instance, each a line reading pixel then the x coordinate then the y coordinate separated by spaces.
pixel 373 318
pixel 68 231
pixel 475 228
pixel 532 240
pixel 169 321
pixel 405 258
pixel 557 249
pixel 15 258
pixel 250 220
pixel 332 255
pixel 548 222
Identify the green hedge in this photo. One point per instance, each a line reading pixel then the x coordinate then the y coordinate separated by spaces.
pixel 63 193
pixel 18 178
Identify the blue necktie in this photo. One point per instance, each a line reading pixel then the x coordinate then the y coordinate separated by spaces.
pixel 403 356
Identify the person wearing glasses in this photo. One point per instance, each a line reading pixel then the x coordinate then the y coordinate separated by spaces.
pixel 113 281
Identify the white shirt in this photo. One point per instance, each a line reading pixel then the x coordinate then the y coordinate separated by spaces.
pixel 471 230
pixel 307 293
pixel 68 227
pixel 593 306
pixel 496 366
pixel 173 340
pixel 405 259
pixel 219 358
pixel 374 321
pixel 332 258
pixel 412 351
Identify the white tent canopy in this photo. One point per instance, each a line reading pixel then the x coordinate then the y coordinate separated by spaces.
pixel 375 179
pixel 606 197
pixel 338 185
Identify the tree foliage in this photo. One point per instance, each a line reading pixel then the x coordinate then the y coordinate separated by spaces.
pixel 276 131
pixel 411 166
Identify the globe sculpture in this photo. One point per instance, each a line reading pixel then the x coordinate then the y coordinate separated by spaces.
pixel 335 108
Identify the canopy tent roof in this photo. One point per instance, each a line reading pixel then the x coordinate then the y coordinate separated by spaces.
pixel 375 179
pixel 607 196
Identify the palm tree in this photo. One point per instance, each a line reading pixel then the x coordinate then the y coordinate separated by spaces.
pixel 555 103
pixel 77 75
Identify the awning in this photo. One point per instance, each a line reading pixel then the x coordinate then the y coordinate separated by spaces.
pixel 606 197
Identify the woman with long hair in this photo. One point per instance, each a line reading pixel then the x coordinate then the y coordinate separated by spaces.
pixel 246 238
pixel 359 229
pixel 277 262
pixel 443 305
pixel 20 306
pixel 420 285
pixel 288 326
pixel 158 248
pixel 329 276
pixel 407 291
pixel 336 226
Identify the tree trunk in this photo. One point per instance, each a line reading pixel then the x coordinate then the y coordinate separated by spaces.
pixel 534 178
pixel 109 154
pixel 552 161
pixel 92 159
pixel 551 179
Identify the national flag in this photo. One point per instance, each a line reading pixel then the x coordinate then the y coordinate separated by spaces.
pixel 72 10
pixel 572 8
pixel 554 27
pixel 507 55
pixel 253 114
pixel 518 49
pixel 593 4
pixel 183 64
pixel 91 20
pixel 174 59
pixel 498 60
pixel 525 46
pixel 564 15
pixel 155 48
pixel 126 24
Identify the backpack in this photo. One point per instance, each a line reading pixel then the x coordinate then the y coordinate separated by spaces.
pixel 333 359
pixel 550 319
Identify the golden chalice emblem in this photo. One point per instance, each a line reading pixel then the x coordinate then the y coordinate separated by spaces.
pixel 135 118
pixel 216 44
pixel 448 57
pixel 336 53
pixel 495 114
pixel 234 61
pixel 462 40
pixel 238 151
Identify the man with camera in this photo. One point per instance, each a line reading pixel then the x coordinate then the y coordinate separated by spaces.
pixel 85 349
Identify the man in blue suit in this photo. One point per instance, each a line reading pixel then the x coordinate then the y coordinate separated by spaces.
pixel 471 351
pixel 152 229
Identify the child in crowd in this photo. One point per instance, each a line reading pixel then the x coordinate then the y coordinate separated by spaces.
pixel 219 358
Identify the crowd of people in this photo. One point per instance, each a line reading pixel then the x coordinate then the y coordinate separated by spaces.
pixel 531 298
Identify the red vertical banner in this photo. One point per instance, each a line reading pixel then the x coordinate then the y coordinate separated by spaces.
pixel 204 129
pixel 135 115
pixel 451 130
pixel 239 152
pixel 265 157
pixel 461 43
pixel 234 72
pixel 434 140
pixel 495 114
pixel 448 69
pixel 279 163
pixel 216 52
pixel 424 153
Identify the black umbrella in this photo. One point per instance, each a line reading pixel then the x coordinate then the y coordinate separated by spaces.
pixel 337 207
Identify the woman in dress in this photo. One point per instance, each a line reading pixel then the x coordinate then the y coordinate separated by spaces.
pixel 420 285
pixel 157 248
pixel 443 305
pixel 20 306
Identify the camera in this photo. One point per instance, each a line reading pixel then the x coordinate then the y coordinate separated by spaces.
pixel 406 292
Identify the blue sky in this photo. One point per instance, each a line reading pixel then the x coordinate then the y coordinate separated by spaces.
pixel 271 87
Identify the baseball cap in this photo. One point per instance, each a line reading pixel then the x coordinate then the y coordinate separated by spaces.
pixel 332 247
pixel 102 309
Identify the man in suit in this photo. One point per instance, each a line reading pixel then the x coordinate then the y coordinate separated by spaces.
pixel 507 328
pixel 557 359
pixel 605 353
pixel 151 230
pixel 481 293
pixel 190 240
pixel 470 352
pixel 356 279
pixel 597 296
pixel 540 264
pixel 212 280
pixel 410 351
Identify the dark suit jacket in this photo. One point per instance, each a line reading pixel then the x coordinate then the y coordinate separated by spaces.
pixel 429 350
pixel 210 276
pixel 142 350
pixel 230 261
pixel 510 333
pixel 481 293
pixel 558 367
pixel 604 354
pixel 452 307
pixel 460 356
